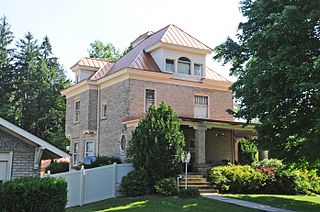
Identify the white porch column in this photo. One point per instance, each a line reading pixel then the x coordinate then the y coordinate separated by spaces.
pixel 200 144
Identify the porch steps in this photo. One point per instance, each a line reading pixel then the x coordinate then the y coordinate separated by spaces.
pixel 199 182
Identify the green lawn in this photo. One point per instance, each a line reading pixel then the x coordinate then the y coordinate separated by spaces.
pixel 159 204
pixel 292 202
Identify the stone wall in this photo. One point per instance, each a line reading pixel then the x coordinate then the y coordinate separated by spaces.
pixel 23 154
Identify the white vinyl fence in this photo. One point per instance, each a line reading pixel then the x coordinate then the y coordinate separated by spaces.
pixel 92 185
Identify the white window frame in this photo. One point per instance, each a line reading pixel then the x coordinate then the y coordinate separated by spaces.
pixel 194 70
pixel 76 112
pixel 7 158
pixel 123 135
pixel 75 162
pixel 165 65
pixel 86 152
pixel 208 106
pixel 104 116
pixel 145 98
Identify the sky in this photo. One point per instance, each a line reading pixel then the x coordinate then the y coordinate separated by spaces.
pixel 72 25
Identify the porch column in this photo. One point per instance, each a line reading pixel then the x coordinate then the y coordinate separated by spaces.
pixel 200 144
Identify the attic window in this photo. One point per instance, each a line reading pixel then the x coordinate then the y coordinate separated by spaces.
pixel 184 66
pixel 198 70
pixel 169 66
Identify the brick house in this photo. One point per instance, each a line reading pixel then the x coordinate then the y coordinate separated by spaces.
pixel 109 98
pixel 21 152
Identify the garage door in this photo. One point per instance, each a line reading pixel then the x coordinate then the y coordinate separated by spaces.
pixel 5 165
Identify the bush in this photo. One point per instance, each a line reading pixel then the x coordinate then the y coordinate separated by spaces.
pixel 167 186
pixel 238 179
pixel 298 182
pixel 135 183
pixel 275 163
pixel 157 144
pixel 33 194
pixel 58 167
pixel 189 193
pixel 101 161
pixel 248 152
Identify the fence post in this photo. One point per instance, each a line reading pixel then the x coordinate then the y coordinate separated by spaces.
pixel 81 190
pixel 114 180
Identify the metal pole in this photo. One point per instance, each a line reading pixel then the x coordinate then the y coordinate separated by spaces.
pixel 186 176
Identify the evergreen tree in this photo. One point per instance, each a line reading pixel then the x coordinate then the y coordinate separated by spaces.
pixel 6 77
pixel 157 144
pixel 277 62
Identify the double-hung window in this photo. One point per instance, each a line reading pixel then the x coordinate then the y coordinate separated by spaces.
pixel 200 106
pixel 89 148
pixel 150 99
pixel 77 111
pixel 75 152
pixel 198 70
pixel 184 66
pixel 169 66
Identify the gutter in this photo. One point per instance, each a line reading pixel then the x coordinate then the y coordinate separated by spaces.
pixel 98 123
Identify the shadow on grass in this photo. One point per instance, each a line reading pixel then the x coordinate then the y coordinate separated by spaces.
pixel 297 203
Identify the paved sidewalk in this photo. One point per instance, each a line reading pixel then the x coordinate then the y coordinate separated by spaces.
pixel 244 203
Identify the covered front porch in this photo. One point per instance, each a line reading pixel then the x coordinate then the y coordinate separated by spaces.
pixel 213 142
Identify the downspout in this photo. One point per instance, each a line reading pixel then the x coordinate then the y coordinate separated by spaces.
pixel 98 123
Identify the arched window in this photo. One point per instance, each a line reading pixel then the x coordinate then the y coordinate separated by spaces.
pixel 184 66
pixel 123 142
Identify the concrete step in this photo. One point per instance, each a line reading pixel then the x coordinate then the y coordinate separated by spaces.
pixel 192 176
pixel 208 190
pixel 195 186
pixel 194 182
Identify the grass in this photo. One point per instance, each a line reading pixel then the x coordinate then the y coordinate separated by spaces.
pixel 291 202
pixel 159 204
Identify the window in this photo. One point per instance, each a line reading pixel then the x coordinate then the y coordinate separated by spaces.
pixel 169 66
pixel 89 149
pixel 77 78
pixel 198 70
pixel 77 111
pixel 123 143
pixel 201 106
pixel 184 65
pixel 104 111
pixel 150 99
pixel 75 152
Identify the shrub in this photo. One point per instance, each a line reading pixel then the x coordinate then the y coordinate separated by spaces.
pixel 298 182
pixel 167 186
pixel 189 193
pixel 33 194
pixel 135 183
pixel 239 179
pixel 157 144
pixel 275 163
pixel 58 167
pixel 248 152
pixel 101 161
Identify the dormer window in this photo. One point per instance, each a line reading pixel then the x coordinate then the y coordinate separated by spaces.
pixel 77 78
pixel 184 66
pixel 198 70
pixel 169 66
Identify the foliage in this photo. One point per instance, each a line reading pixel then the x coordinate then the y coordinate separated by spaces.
pixel 157 144
pixel 276 60
pixel 102 161
pixel 238 179
pixel 135 183
pixel 31 80
pixel 104 51
pixel 33 194
pixel 58 167
pixel 248 152
pixel 298 182
pixel 189 193
pixel 269 163
pixel 166 186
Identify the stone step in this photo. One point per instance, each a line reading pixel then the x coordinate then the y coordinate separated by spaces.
pixel 194 179
pixel 194 182
pixel 192 176
pixel 208 190
pixel 195 186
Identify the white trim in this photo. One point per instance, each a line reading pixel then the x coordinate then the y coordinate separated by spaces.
pixel 77 153
pixel 21 132
pixel 9 160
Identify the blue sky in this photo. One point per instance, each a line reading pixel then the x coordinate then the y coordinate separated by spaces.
pixel 72 25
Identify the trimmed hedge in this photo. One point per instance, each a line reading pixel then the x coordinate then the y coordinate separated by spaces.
pixel 33 194
pixel 237 179
pixel 58 167
pixel 135 183
pixel 189 193
pixel 166 186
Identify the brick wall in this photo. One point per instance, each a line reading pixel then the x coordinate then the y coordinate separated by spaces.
pixel 23 155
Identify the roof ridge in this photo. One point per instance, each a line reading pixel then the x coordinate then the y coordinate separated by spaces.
pixel 192 36
pixel 217 73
